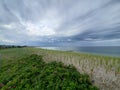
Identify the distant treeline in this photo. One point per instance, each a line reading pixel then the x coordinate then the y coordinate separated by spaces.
pixel 10 46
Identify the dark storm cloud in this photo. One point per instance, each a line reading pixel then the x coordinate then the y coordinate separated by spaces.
pixel 60 22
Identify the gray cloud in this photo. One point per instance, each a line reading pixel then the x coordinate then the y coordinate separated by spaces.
pixel 47 22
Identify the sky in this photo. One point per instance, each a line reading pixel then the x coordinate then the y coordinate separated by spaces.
pixel 60 22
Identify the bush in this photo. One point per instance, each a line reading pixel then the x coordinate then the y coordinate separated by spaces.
pixel 32 73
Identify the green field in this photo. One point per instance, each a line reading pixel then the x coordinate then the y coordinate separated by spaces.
pixel 103 71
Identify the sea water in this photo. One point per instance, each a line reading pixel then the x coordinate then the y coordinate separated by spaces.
pixel 99 50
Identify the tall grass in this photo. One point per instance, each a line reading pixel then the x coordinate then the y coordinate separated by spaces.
pixel 104 71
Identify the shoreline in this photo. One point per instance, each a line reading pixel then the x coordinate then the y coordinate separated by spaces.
pixel 81 52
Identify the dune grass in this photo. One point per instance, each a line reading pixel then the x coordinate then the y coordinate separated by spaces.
pixel 103 70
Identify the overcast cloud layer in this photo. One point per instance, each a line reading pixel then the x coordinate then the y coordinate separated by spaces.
pixel 60 22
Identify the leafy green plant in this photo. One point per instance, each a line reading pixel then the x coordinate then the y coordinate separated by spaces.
pixel 32 73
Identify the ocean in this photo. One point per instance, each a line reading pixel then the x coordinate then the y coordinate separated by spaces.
pixel 98 50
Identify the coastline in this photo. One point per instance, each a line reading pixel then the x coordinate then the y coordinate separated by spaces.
pixel 81 52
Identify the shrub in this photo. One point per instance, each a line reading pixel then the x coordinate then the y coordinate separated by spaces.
pixel 32 73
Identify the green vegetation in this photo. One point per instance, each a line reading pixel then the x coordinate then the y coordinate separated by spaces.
pixel 10 46
pixel 32 73
pixel 103 70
